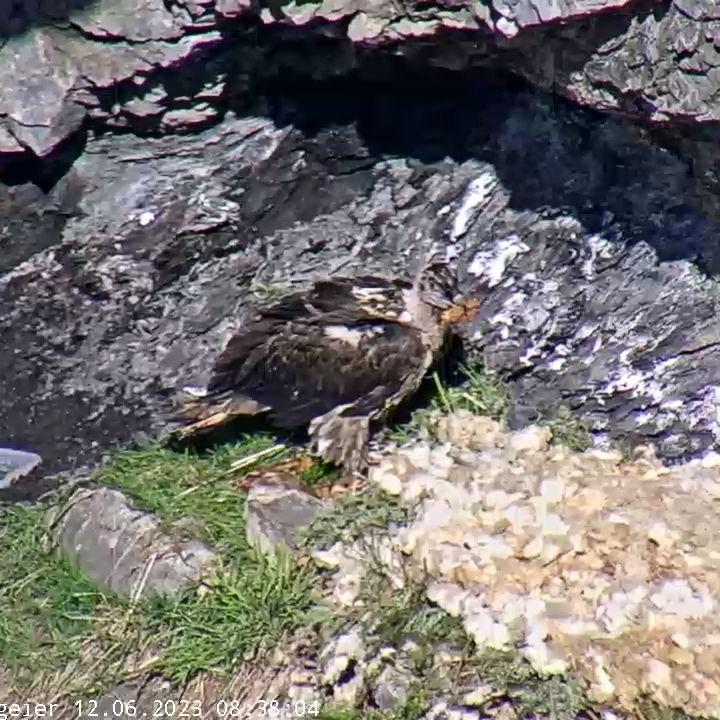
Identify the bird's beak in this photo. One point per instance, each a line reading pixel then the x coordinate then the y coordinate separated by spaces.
pixel 462 311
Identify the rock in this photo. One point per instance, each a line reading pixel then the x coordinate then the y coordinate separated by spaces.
pixel 479 696
pixel 145 308
pixel 125 549
pixel 350 692
pixel 449 596
pixel 392 688
pixel 343 662
pixel 577 558
pixel 531 439
pixel 338 655
pixel 132 20
pixel 15 464
pixel 441 711
pixel 40 113
pixel 184 119
pixel 658 67
pixel 276 515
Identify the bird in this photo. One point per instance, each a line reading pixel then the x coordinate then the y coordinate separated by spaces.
pixel 335 358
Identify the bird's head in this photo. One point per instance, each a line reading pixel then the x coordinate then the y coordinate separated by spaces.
pixel 437 287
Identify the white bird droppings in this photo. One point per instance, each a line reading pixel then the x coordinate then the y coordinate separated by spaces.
pixel 146 218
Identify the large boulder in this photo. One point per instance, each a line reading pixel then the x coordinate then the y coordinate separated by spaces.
pixel 222 151
pixel 126 550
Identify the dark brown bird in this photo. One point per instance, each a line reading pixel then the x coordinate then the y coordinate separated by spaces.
pixel 336 357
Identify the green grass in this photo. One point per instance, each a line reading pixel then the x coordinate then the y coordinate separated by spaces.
pixel 255 600
pixel 245 611
pixel 407 614
pixel 486 393
pixel 556 697
pixel 355 515
pixel 481 392
pixel 319 473
pixel 195 489
pixel 47 607
pixel 52 619
pixel 569 430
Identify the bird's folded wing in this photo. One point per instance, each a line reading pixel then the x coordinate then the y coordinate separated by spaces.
pixel 342 300
pixel 304 369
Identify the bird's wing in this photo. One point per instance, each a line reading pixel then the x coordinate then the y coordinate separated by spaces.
pixel 302 369
pixel 343 300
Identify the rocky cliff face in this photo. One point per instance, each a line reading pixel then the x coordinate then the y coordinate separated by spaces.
pixel 163 163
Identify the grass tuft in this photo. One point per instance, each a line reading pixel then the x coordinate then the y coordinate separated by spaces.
pixel 560 697
pixel 47 607
pixel 192 494
pixel 53 620
pixel 408 615
pixel 354 515
pixel 319 473
pixel 481 392
pixel 569 430
pixel 247 609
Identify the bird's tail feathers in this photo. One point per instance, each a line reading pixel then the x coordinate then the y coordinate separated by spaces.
pixel 342 440
pixel 204 412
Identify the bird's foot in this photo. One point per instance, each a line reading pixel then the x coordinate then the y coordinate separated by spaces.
pixel 341 440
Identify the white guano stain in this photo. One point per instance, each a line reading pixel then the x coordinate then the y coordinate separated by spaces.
pixel 599 247
pixel 491 263
pixel 345 334
pixel 478 193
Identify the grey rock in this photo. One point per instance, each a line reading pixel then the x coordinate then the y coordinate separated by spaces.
pixel 659 64
pixel 189 117
pixel 591 243
pixel 49 75
pixel 392 688
pixel 8 142
pixel 143 108
pixel 131 302
pixel 125 549
pixel 15 464
pixel 441 711
pixel 276 515
pixel 341 654
pixel 131 20
pixel 36 77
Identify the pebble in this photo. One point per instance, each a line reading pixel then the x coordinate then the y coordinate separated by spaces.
pixel 507 515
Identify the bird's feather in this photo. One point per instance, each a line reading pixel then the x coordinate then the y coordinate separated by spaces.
pixel 334 357
pixel 302 370
pixel 343 300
